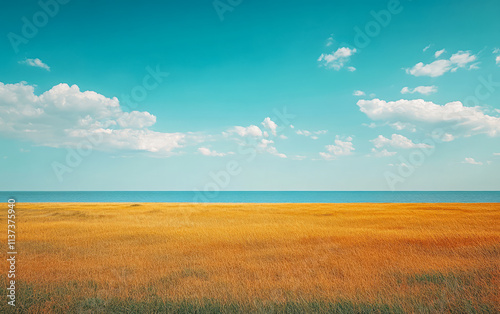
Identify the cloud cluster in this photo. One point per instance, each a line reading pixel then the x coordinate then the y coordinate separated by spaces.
pixel 270 124
pixel 461 59
pixel 397 141
pixel 469 120
pixel 339 148
pixel 255 135
pixel 249 131
pixel 336 60
pixel 64 116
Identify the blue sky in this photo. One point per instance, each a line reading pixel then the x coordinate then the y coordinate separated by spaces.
pixel 247 95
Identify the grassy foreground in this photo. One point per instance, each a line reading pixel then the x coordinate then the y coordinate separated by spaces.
pixel 268 258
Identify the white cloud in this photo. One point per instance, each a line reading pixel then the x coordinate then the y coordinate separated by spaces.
pixel 496 154
pixel 471 161
pixel 439 52
pixel 359 93
pixel 424 90
pixel 303 132
pixel 447 137
pixel 437 68
pixel 207 152
pixel 330 41
pixel 471 67
pixel 267 146
pixel 283 137
pixel 340 148
pixel 383 153
pixel 326 156
pixel 273 151
pixel 398 141
pixel 403 126
pixel 263 144
pixel 136 120
pixel 497 59
pixel 35 63
pixel 471 120
pixel 434 69
pixel 351 69
pixel 312 134
pixel 426 47
pixel 269 124
pixel 252 130
pixel 336 60
pixel 257 138
pixel 65 117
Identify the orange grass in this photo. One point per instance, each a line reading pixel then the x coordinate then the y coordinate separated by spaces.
pixel 411 255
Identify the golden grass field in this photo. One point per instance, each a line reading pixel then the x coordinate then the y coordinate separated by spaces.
pixel 154 257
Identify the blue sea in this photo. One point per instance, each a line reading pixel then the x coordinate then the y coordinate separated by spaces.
pixel 255 197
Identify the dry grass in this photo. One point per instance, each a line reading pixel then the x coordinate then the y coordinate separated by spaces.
pixel 243 257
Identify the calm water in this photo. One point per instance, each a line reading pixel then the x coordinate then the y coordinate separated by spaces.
pixel 257 197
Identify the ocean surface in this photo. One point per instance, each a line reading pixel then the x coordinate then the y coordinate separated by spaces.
pixel 255 197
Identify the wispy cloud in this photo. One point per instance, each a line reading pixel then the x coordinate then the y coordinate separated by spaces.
pixel 266 145
pixel 312 134
pixel 424 90
pixel 397 141
pixel 461 59
pixel 382 153
pixel 471 161
pixel 35 63
pixel 439 52
pixel 207 152
pixel 330 40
